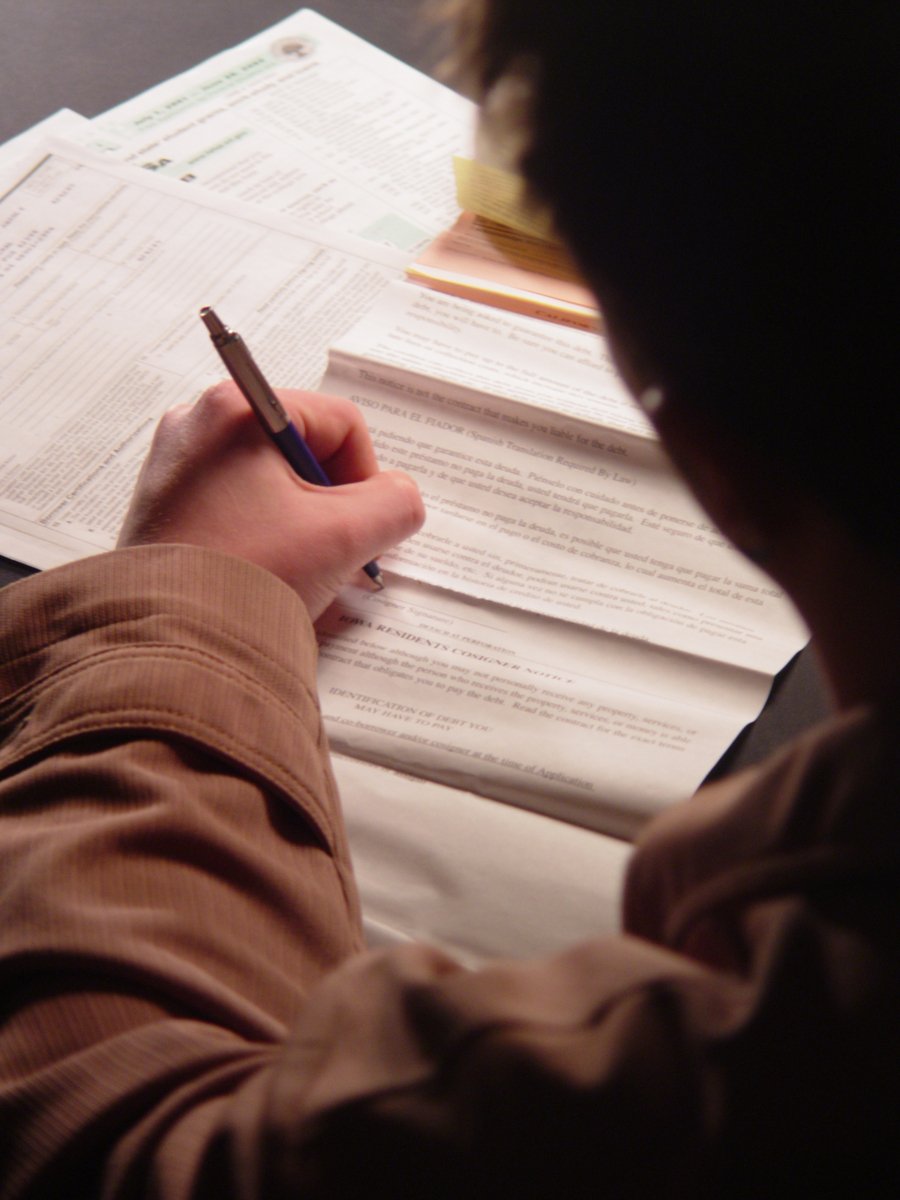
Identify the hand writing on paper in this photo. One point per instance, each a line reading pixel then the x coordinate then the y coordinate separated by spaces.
pixel 212 478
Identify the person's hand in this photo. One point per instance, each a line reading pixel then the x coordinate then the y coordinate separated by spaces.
pixel 213 478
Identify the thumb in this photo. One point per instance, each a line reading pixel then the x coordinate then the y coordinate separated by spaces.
pixel 389 509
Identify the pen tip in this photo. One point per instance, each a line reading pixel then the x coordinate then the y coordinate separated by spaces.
pixel 374 573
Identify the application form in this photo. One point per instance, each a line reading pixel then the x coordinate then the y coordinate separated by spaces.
pixel 103 270
pixel 308 120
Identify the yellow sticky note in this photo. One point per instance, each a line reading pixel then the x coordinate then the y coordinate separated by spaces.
pixel 497 195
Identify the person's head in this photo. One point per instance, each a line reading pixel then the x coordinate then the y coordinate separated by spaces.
pixel 724 174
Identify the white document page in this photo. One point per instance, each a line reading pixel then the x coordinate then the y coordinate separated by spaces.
pixel 478 879
pixel 103 270
pixel 567 633
pixel 309 120
pixel 539 500
pixel 597 730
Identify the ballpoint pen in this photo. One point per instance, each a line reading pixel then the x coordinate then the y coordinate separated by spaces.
pixel 269 409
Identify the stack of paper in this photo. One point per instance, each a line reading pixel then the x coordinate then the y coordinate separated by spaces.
pixel 500 252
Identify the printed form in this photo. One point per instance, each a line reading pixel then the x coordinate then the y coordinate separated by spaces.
pixel 569 633
pixel 103 270
pixel 308 120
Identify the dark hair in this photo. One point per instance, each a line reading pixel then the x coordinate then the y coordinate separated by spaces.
pixel 725 175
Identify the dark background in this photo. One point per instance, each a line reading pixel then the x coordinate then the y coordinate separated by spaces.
pixel 89 55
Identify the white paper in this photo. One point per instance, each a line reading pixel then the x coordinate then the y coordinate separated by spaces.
pixel 596 730
pixel 567 633
pixel 103 270
pixel 308 120
pixel 563 510
pixel 476 878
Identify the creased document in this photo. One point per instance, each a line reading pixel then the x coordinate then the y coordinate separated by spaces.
pixel 596 730
pixel 541 498
pixel 567 633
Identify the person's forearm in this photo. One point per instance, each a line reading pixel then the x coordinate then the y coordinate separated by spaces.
pixel 175 876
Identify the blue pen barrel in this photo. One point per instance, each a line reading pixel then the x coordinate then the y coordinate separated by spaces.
pixel 269 409
pixel 299 456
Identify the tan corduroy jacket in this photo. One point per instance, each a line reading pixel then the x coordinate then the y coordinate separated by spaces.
pixel 187 1009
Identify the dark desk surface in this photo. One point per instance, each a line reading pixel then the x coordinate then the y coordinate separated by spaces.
pixel 89 55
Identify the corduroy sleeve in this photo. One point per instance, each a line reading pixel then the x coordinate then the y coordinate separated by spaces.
pixel 173 868
pixel 185 1015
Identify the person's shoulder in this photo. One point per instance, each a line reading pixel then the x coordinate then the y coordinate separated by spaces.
pixel 820 811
